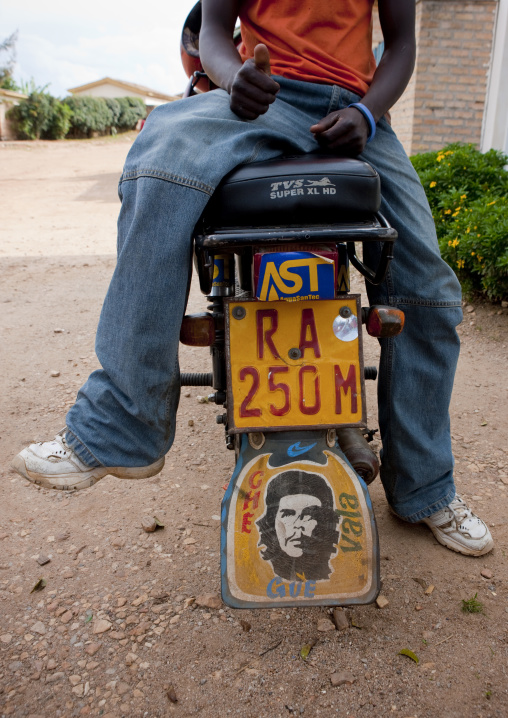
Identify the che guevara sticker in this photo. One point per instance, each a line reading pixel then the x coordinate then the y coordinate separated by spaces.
pixel 298 534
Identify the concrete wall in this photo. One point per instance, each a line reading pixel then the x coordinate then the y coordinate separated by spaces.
pixel 114 91
pixel 7 100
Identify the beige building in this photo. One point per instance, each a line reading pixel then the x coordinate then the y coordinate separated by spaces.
pixel 459 89
pixel 108 87
pixel 8 99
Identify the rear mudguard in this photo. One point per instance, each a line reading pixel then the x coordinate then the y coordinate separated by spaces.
pixel 298 527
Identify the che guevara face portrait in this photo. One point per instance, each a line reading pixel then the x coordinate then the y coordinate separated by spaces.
pixel 299 530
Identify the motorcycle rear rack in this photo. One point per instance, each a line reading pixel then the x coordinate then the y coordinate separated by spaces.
pixel 235 240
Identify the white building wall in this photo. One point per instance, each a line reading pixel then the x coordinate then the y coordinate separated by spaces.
pixel 495 122
pixel 114 91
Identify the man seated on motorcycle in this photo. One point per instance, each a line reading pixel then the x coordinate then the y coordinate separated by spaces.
pixel 305 78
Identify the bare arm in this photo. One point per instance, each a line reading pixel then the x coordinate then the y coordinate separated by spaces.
pixel 250 86
pixel 347 130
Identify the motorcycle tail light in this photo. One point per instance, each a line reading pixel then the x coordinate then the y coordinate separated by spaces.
pixel 384 322
pixel 198 330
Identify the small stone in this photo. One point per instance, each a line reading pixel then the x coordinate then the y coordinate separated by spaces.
pixel 39 628
pixel 63 536
pixel 418 607
pixel 121 602
pixel 486 573
pixel 101 626
pixel 189 541
pixel 55 677
pixel 504 304
pixel 469 309
pixel 428 635
pixel 67 573
pixel 202 399
pixel 382 601
pixel 324 624
pixel 78 690
pixel 429 590
pixel 58 331
pixel 118 542
pixel 122 688
pixel 209 600
pixel 6 638
pixel 66 617
pixel 42 560
pixel 148 524
pixel 3 536
pixel 342 678
pixel 171 694
pixel 117 635
pixel 130 659
pixel 74 680
pixel 191 422
pixel 55 373
pixel 246 626
pixel 51 664
pixel 174 620
pixel 92 648
pixel 141 599
pixel 340 619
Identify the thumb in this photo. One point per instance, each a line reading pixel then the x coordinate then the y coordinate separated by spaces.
pixel 262 59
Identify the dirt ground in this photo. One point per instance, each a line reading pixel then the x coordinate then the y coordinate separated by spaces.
pixel 57 229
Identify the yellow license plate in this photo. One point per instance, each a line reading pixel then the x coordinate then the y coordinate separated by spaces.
pixel 294 364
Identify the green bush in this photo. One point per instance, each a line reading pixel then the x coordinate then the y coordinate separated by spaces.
pixel 115 108
pixel 40 116
pixel 99 114
pixel 89 114
pixel 60 123
pixel 468 196
pixel 132 109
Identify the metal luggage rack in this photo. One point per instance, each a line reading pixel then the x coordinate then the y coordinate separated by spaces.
pixel 241 241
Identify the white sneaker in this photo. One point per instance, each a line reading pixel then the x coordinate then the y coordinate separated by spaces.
pixel 459 529
pixel 54 465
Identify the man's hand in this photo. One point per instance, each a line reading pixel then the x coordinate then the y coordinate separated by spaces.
pixel 253 90
pixel 345 131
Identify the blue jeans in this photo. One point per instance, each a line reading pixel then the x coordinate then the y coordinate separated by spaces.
pixel 124 415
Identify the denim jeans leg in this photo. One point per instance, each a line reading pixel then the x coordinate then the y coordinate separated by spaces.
pixel 137 388
pixel 417 368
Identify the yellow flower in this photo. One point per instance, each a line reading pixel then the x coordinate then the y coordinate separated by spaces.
pixel 448 211
pixel 472 254
pixel 460 263
pixel 463 196
pixel 439 158
pixel 491 203
pixel 468 230
pixel 432 184
pixel 455 242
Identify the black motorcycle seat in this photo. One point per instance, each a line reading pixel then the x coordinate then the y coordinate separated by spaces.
pixel 307 189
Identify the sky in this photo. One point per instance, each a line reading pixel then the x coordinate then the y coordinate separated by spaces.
pixel 67 44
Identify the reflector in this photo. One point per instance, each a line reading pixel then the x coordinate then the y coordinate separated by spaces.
pixel 198 330
pixel 384 322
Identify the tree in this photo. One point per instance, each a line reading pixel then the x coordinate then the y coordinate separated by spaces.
pixel 8 61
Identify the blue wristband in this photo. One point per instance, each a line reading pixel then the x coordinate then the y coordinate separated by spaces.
pixel 368 116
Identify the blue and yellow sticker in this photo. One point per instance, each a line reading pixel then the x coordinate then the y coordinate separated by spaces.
pixel 295 276
pixel 222 276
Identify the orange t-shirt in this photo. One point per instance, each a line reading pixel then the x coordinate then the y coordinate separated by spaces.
pixel 323 41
